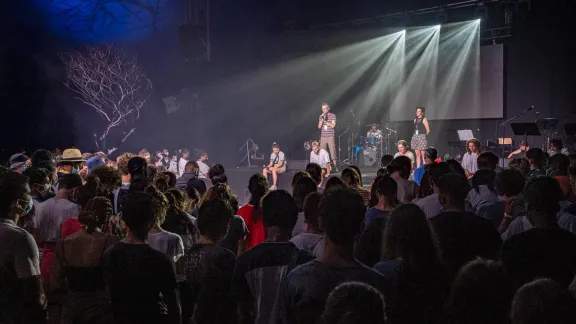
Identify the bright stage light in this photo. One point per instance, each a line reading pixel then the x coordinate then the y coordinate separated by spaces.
pixel 438 27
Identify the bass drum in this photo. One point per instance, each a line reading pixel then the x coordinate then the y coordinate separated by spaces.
pixel 370 156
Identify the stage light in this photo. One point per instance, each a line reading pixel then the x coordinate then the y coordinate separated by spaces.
pixel 438 27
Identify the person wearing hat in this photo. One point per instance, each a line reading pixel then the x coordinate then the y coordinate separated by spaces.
pixel 94 162
pixel 70 162
pixel 17 162
pixel 430 156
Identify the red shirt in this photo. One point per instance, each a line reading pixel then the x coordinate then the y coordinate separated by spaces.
pixel 70 226
pixel 256 231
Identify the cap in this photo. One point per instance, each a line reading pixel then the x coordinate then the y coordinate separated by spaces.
pixel 94 162
pixel 17 159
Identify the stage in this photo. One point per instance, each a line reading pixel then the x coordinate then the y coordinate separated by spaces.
pixel 238 179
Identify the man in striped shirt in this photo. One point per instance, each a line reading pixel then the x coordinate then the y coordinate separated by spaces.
pixel 326 124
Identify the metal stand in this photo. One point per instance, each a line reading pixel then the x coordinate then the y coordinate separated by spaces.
pixel 248 150
pixel 503 125
pixel 340 147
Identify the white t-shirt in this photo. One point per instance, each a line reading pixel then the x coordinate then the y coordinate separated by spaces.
pixel 321 158
pixel 51 214
pixel 277 159
pixel 204 168
pixel 181 166
pixel 470 162
pixel 168 243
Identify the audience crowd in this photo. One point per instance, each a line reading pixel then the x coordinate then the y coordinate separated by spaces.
pixel 156 239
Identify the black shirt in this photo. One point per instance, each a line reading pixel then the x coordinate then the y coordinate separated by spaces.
pixel 259 272
pixel 209 272
pixel 137 277
pixel 464 236
pixel 368 250
pixel 237 231
pixel 541 253
pixel 303 293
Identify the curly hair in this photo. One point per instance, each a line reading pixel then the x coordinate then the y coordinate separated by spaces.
pixel 160 204
pixel 122 162
pixel 110 178
pixel 165 181
pixel 96 214
pixel 476 143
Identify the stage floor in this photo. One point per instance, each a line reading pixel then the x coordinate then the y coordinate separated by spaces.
pixel 238 179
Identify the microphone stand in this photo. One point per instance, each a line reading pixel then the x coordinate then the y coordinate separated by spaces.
pixel 248 150
pixel 339 146
pixel 503 125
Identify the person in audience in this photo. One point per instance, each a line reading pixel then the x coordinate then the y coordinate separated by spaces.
pixel 177 220
pixel 210 267
pixel 483 192
pixel 166 242
pixel 357 169
pixel 386 189
pixel 69 163
pixel 276 166
pixel 333 184
pixel 303 292
pixel 462 236
pixel 165 181
pixel 310 239
pixel 110 180
pixel 297 176
pixel 430 205
pixel 203 167
pixel 373 193
pixel 217 174
pixel 93 163
pixel 173 163
pixel 508 185
pixel 558 167
pixel 41 156
pixel 194 201
pixel 235 238
pixel 481 293
pixel 17 162
pixel 119 193
pixel 537 160
pixel 488 161
pixel 456 167
pixel 520 152
pixel 470 159
pixel 425 188
pixel 411 265
pixel 399 170
pixel 145 155
pixel 81 196
pixel 260 269
pixel 354 302
pixel 430 156
pixel 545 250
pixel 139 179
pixel 522 165
pixel 252 214
pixel 39 182
pixel 303 187
pixel 50 216
pixel 140 280
pixel 403 151
pixel 543 301
pixel 77 267
pixel 556 147
pixel 385 160
pixel 22 298
pixel 190 171
pixel 183 161
pixel 352 180
pixel 315 172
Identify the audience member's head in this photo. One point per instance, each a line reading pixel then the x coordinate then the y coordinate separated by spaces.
pixel 258 188
pixel 555 145
pixel 357 169
pixel 558 165
pixel 196 184
pixel 426 188
pixel 543 301
pixel 315 172
pixel 109 179
pixel 334 183
pixel 387 191
pixel 456 167
pixel 352 303
pixel 509 183
pixel 542 196
pixel 401 165
pixel 122 163
pixel 385 160
pixel 192 167
pixel 479 286
pixel 152 171
pixel 279 211
pixel 165 180
pixel 42 156
pixel 373 194
pixel 430 155
pixel 536 158
pixel 341 216
pixel 194 198
pixel 138 214
pixel 487 161
pixel 15 199
pixel 303 187
pixel 39 181
pixel 382 171
pixel 520 164
pixel 452 191
pixel 311 203
pixel 350 177
pixel 96 213
pixel 217 174
pixel 438 170
pixel 297 176
pixel 214 218
pixel 483 177
pixel 138 170
pixel 160 204
pixel 68 183
pixel 408 237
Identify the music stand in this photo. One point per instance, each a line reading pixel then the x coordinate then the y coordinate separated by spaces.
pixel 570 129
pixel 525 129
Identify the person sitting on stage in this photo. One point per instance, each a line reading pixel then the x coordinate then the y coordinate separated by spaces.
pixel 521 151
pixel 556 147
pixel 403 151
pixel 470 159
pixel 276 166
pixel 320 156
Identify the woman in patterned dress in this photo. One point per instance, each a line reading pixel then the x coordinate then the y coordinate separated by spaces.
pixel 420 137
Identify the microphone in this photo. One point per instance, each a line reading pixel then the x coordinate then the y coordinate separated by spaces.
pixel 536 116
pixel 531 107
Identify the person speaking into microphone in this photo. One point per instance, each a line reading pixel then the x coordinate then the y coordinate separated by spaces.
pixel 326 124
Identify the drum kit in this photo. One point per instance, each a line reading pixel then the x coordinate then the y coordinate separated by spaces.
pixel 373 146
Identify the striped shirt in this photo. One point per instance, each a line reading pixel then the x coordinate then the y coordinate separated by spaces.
pixel 327 131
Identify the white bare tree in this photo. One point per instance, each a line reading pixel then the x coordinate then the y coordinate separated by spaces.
pixel 112 83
